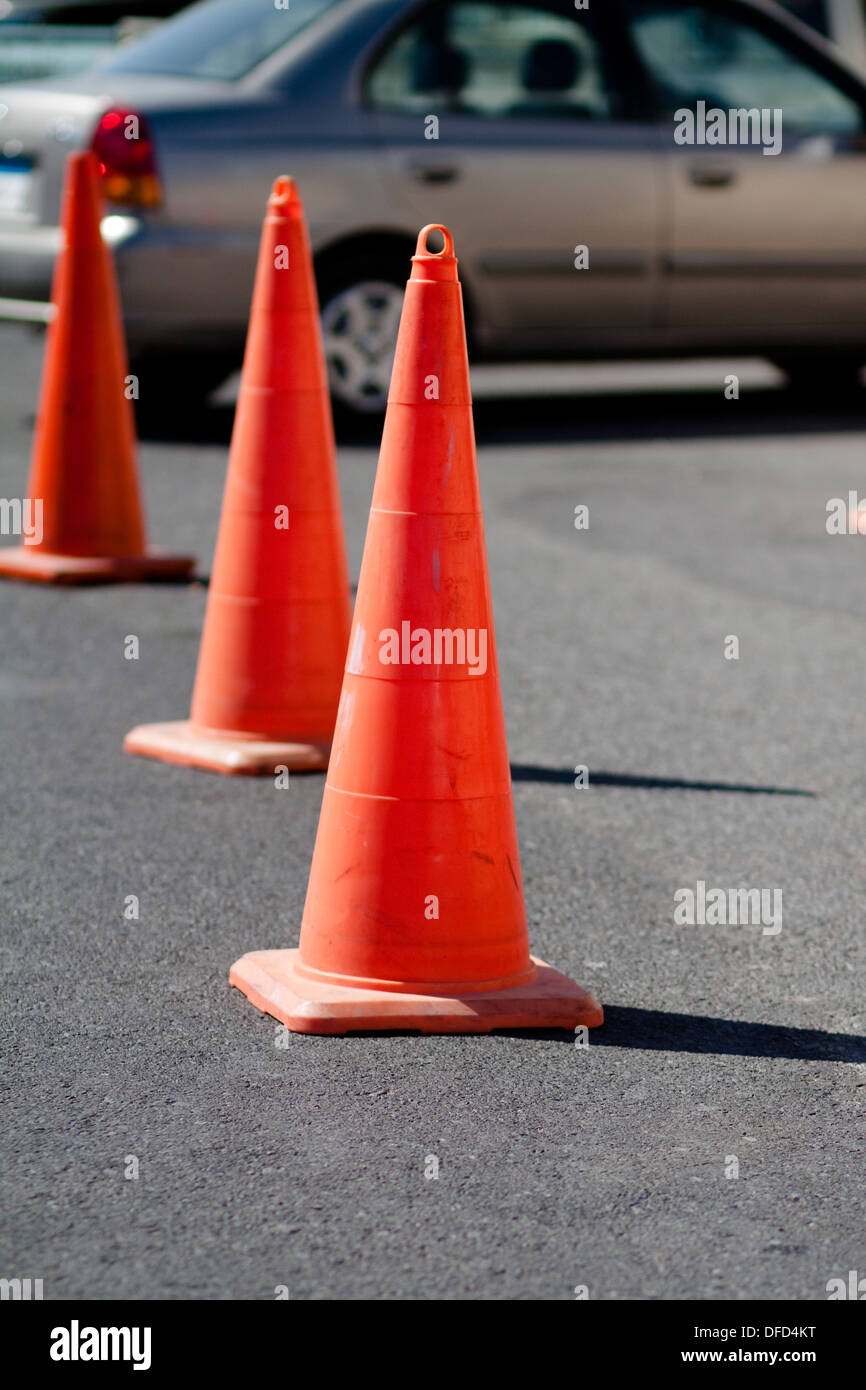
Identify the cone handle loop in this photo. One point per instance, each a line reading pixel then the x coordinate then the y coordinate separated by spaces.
pixel 422 249
pixel 434 265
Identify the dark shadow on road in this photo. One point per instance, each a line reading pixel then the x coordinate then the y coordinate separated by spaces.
pixel 524 772
pixel 655 1031
pixel 186 424
pixel 686 414
pixel 663 415
pixel 652 1030
pixel 189 581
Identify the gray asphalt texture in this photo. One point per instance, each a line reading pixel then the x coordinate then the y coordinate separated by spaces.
pixel 559 1167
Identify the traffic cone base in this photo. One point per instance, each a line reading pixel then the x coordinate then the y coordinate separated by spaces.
pixel 276 983
pixel 44 567
pixel 181 742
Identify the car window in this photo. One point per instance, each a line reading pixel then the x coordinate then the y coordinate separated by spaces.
pixel 493 60
pixel 111 12
pixel 695 53
pixel 814 12
pixel 220 39
pixel 31 51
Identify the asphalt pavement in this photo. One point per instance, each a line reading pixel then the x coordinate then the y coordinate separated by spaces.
pixel 560 1168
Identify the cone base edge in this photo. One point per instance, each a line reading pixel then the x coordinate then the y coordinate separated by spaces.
pixel 178 742
pixel 271 983
pixel 45 567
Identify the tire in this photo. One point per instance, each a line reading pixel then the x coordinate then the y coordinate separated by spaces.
pixel 360 302
pixel 823 376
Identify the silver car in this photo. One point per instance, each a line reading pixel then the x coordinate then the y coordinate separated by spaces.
pixel 552 139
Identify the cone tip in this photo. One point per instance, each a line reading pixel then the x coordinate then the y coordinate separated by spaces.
pixel 284 191
pixel 440 265
pixel 82 196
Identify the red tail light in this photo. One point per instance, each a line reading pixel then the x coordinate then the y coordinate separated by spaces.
pixel 124 147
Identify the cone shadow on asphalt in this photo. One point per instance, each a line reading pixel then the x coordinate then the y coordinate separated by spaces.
pixel 525 772
pixel 653 1030
pixel 656 1031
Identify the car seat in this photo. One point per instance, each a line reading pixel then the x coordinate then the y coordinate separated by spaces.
pixel 550 69
pixel 439 69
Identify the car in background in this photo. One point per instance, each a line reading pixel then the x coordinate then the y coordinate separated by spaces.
pixel 532 130
pixel 43 38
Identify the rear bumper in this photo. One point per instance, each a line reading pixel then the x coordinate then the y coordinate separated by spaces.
pixel 27 257
pixel 26 310
pixel 178 288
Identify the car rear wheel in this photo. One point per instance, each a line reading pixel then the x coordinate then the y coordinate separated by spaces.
pixel 360 313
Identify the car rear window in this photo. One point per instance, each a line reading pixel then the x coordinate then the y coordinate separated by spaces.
pixel 221 40
pixel 812 12
pixel 95 13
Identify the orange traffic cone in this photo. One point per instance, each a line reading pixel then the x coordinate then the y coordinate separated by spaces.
pixel 278 612
pixel 83 474
pixel 414 916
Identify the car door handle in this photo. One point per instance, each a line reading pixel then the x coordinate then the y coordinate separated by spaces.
pixel 435 173
pixel 712 175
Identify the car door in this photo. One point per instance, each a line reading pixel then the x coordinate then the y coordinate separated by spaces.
pixel 519 128
pixel 768 237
